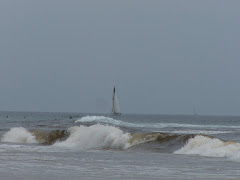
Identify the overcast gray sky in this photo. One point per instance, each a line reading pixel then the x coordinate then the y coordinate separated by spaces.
pixel 164 57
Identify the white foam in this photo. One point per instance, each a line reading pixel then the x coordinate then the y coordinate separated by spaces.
pixel 98 119
pixel 211 147
pixel 106 120
pixel 96 137
pixel 18 135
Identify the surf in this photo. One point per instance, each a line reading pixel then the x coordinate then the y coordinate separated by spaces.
pixel 82 137
pixel 95 137
pixel 211 147
pixel 104 137
pixel 18 135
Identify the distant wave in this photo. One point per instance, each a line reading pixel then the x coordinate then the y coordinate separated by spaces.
pixel 211 147
pixel 103 119
pixel 206 132
pixel 18 135
pixel 111 121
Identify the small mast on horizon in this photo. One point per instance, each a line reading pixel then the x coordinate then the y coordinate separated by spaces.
pixel 115 105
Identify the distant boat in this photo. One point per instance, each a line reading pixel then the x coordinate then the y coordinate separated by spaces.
pixel 115 105
pixel 194 111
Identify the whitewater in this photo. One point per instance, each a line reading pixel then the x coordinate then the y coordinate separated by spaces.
pixel 101 146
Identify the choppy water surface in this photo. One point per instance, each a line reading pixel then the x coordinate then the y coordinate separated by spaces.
pixel 101 146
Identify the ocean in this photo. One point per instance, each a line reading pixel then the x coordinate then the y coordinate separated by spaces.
pixel 60 146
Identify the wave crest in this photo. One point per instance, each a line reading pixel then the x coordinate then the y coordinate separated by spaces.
pixel 96 137
pixel 49 137
pixel 103 119
pixel 18 135
pixel 211 147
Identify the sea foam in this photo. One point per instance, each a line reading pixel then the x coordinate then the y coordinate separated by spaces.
pixel 96 137
pixel 18 135
pixel 211 147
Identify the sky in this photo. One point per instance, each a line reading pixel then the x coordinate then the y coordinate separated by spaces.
pixel 164 57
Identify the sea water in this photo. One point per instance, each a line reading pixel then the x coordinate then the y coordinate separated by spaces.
pixel 100 146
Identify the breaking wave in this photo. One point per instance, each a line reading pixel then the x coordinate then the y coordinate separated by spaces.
pixel 22 135
pixel 109 137
pixel 211 147
pixel 92 137
pixel 96 137
pixel 50 137
pixel 18 135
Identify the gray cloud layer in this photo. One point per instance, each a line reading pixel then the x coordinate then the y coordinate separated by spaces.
pixel 163 56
